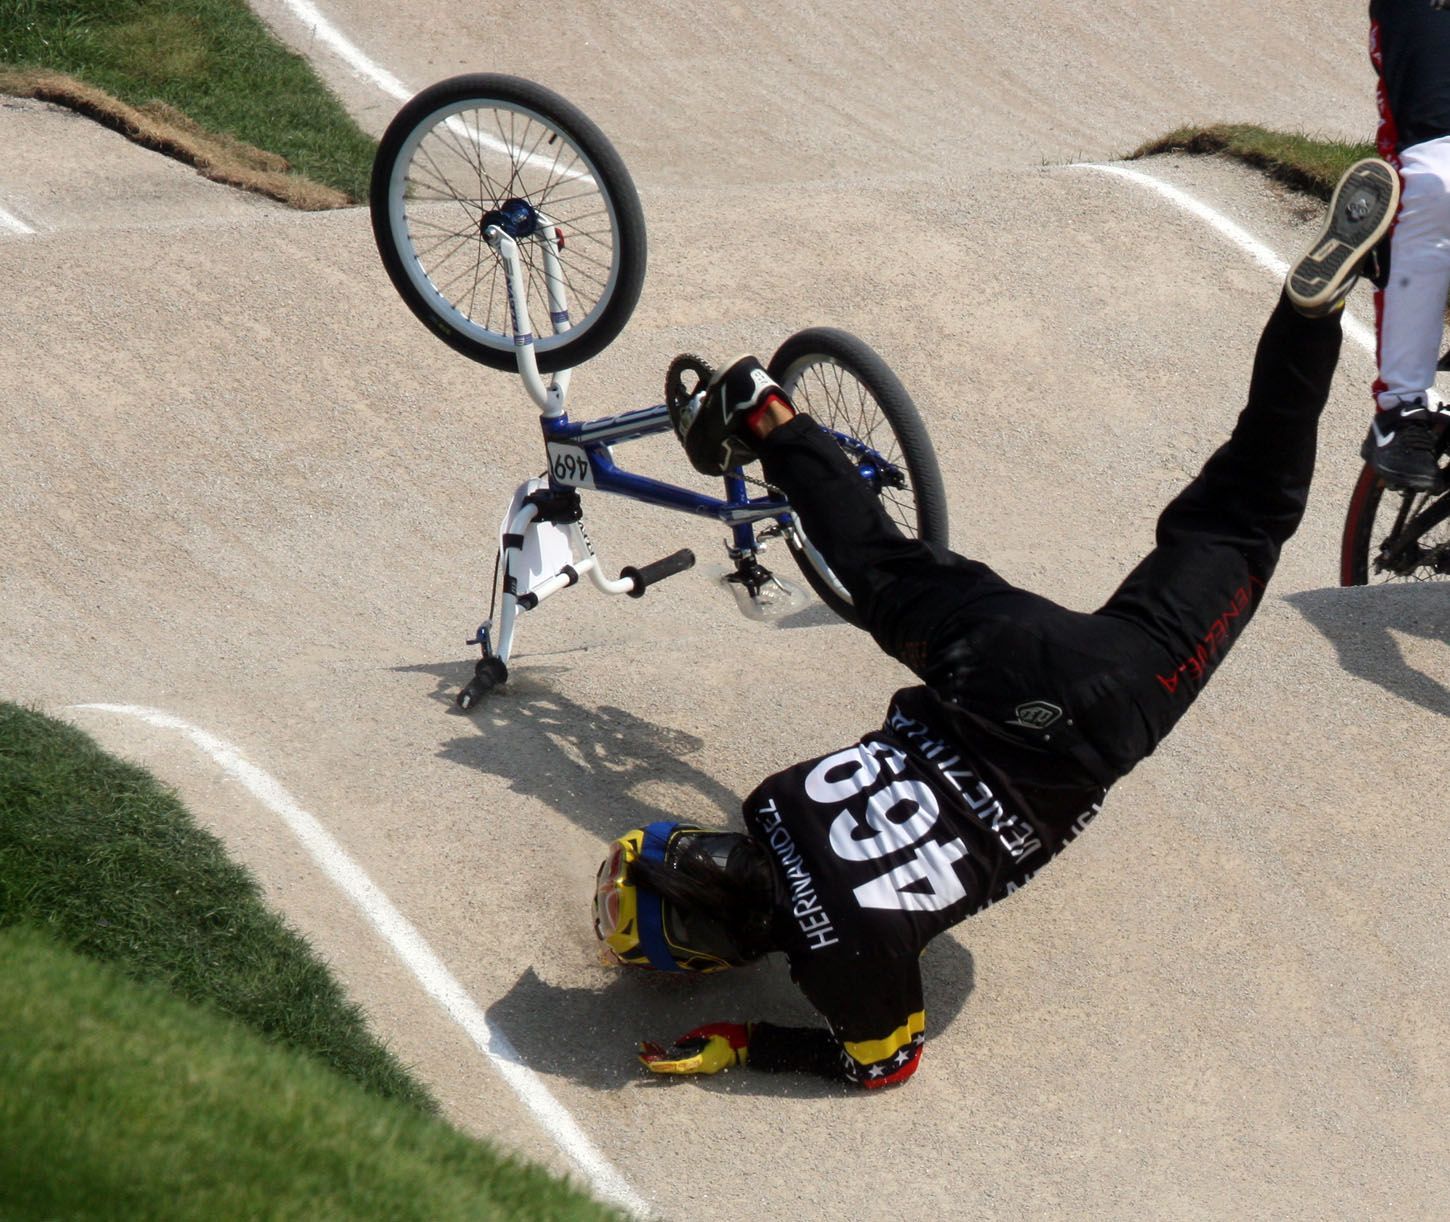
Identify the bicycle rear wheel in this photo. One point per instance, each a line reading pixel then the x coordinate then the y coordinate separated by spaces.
pixel 849 390
pixel 485 149
pixel 1391 535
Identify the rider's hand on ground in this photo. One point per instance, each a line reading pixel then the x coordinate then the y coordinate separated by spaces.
pixel 707 1049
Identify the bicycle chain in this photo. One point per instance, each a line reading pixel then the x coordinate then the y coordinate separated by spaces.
pixel 760 483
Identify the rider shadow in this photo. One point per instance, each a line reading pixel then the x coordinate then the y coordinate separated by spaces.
pixel 588 1035
pixel 1359 624
pixel 591 765
pixel 814 615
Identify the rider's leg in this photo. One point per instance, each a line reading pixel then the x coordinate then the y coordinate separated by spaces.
pixel 1219 540
pixel 1413 317
pixel 903 588
pixel 1409 319
pixel 1103 688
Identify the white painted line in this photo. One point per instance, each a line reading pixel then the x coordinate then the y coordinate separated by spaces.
pixel 12 222
pixel 352 55
pixel 348 51
pixel 1235 233
pixel 411 948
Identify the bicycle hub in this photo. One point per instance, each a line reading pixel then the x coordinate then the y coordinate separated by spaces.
pixel 516 217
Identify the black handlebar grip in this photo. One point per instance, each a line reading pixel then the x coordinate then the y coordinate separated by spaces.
pixel 645 577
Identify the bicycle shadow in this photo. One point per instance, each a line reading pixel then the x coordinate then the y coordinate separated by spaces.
pixel 602 768
pixel 1360 622
pixel 591 1033
pixel 451 676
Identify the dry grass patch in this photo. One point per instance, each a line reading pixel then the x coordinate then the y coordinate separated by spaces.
pixel 163 129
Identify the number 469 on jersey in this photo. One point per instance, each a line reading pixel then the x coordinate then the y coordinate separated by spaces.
pixel 878 820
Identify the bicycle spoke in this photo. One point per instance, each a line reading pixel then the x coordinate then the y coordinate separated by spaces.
pixel 569 199
pixel 445 188
pixel 536 285
pixel 423 221
pixel 603 264
pixel 437 182
pixel 464 148
pixel 471 152
pixel 545 133
pixel 571 285
pixel 445 287
pixel 454 242
pixel 557 175
pixel 506 141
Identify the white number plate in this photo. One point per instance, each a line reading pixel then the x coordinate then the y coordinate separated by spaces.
pixel 570 465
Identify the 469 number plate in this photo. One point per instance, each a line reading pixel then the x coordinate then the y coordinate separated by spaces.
pixel 570 465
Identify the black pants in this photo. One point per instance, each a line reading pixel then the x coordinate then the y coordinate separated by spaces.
pixel 1101 688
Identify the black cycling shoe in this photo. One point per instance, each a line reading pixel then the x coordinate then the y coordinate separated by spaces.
pixel 1401 447
pixel 1360 213
pixel 710 422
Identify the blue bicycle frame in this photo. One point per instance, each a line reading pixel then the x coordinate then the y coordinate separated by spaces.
pixel 543 547
pixel 580 457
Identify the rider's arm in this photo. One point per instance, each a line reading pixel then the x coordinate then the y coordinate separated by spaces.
pixel 877 1025
pixel 875 1038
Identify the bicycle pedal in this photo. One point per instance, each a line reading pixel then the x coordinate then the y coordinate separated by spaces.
pixel 684 379
pixel 771 600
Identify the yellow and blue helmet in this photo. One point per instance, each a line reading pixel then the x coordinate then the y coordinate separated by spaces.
pixel 641 928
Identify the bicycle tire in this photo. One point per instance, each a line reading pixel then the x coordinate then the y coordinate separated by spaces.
pixel 1367 530
pixel 845 386
pixel 456 155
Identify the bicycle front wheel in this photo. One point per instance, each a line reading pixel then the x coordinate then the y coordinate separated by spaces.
pixel 841 383
pixel 487 150
pixel 1391 535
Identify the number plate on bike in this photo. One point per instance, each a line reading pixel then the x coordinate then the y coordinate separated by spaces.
pixel 570 465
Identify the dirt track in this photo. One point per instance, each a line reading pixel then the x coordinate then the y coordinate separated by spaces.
pixel 242 485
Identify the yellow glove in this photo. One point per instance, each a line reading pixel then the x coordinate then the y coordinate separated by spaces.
pixel 707 1049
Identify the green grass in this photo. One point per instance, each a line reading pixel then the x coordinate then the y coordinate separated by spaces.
pixel 171 1049
pixel 1302 162
pixel 213 60
pixel 118 1100
pixel 106 860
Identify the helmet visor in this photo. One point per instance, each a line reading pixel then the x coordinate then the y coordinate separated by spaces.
pixel 693 934
pixel 641 929
pixel 612 898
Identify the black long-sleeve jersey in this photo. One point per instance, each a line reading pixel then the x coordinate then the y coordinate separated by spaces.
pixel 1410 49
pixel 881 846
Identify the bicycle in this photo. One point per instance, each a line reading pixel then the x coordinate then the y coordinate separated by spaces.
pixel 495 201
pixel 1395 535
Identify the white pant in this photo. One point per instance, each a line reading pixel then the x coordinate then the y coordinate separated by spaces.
pixel 1412 321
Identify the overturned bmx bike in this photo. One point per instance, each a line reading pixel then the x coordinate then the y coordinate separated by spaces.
pixel 496 203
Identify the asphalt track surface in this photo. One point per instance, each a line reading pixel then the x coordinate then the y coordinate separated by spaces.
pixel 242 487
